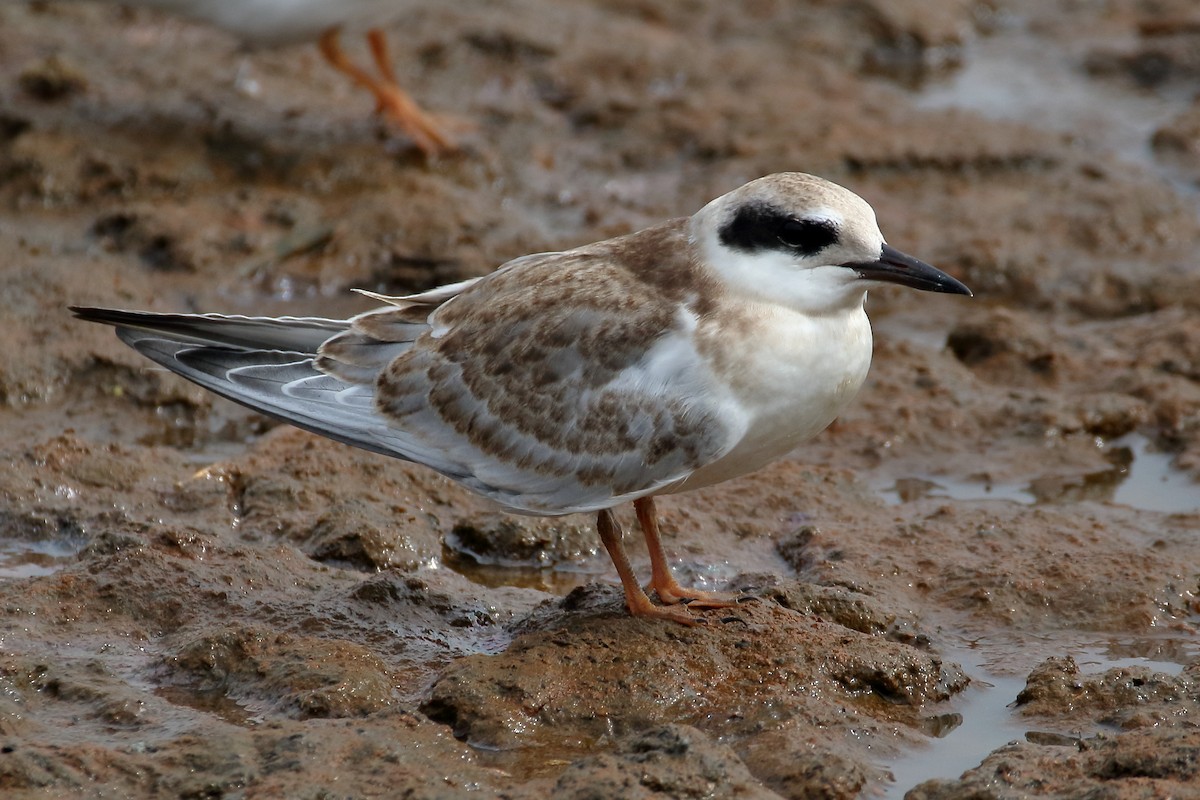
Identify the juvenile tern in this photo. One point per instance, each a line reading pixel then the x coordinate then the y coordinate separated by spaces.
pixel 274 23
pixel 666 360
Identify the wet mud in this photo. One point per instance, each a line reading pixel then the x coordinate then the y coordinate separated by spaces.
pixel 981 581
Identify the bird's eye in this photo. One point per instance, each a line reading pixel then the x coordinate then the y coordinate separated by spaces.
pixel 807 235
pixel 759 226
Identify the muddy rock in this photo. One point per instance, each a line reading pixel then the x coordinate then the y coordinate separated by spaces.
pixel 304 676
pixel 748 664
pixel 1164 52
pixel 798 766
pixel 159 242
pixel 914 42
pixel 499 540
pixel 1177 143
pixel 1011 347
pixel 675 761
pixel 1005 571
pixel 843 606
pixel 1131 697
pixel 52 79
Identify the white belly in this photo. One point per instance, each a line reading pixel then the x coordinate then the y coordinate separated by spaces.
pixel 795 380
pixel 278 22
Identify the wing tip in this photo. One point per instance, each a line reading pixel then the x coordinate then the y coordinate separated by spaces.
pixel 89 313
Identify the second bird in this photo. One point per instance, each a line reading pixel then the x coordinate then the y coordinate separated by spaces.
pixel 274 23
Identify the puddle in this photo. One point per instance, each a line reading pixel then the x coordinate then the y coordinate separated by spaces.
pixel 21 558
pixel 1141 478
pixel 982 718
pixel 984 722
pixel 710 567
pixel 1014 75
pixel 531 763
pixel 1151 482
pixel 550 556
pixel 910 489
pixel 557 580
pixel 209 701
pixel 560 579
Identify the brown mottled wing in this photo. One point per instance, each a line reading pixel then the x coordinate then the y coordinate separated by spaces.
pixel 564 382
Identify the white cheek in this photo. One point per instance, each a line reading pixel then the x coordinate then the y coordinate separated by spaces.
pixel 775 277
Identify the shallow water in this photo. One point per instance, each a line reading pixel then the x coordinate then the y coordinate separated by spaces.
pixel 1012 75
pixel 1152 483
pixel 1141 478
pixel 20 558
pixel 210 701
pixel 984 717
pixel 557 580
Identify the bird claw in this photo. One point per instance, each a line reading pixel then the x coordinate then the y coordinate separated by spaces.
pixel 681 615
pixel 696 598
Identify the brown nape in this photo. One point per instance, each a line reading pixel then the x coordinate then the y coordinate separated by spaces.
pixel 390 100
pixel 663 583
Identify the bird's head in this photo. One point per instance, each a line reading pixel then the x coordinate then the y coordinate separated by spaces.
pixel 803 242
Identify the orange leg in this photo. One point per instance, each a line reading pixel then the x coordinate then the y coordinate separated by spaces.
pixel 635 598
pixel 399 105
pixel 383 59
pixel 662 581
pixel 390 99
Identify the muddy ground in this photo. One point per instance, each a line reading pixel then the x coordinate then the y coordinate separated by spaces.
pixel 196 602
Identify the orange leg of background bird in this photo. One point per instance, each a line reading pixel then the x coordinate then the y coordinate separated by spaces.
pixel 390 99
pixel 664 583
pixel 635 598
pixel 377 41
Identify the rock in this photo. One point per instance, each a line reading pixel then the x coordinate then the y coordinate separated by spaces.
pixel 674 762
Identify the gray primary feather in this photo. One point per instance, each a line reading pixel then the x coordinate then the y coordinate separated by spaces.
pixel 289 334
pixel 267 365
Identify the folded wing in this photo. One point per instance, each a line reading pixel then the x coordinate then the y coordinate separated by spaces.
pixel 558 385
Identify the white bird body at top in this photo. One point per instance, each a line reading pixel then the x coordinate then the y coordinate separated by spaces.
pixel 273 23
pixel 670 359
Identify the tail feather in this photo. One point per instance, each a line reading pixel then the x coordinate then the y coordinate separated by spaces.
pixel 260 380
pixel 286 334
pixel 273 366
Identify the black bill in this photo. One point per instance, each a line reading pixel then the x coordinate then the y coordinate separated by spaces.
pixel 896 267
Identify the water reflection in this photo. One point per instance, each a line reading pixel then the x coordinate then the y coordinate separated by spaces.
pixel 1140 477
pixel 984 718
pixel 21 558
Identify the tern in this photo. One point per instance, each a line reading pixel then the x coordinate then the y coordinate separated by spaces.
pixel 275 23
pixel 662 361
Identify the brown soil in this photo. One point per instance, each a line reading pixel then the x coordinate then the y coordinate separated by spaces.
pixel 196 602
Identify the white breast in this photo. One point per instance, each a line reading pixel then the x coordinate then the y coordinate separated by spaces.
pixel 792 374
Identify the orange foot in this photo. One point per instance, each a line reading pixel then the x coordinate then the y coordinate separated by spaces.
pixel 672 593
pixel 640 606
pixel 422 127
pixel 390 100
